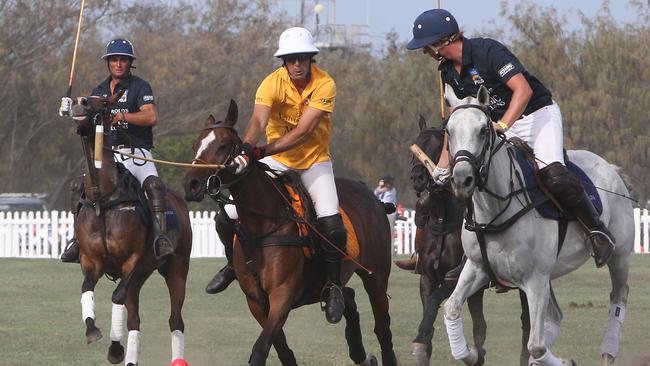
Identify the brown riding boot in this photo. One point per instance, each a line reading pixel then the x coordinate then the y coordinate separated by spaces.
pixel 226 231
pixel 71 252
pixel 570 193
pixel 162 244
pixel 333 229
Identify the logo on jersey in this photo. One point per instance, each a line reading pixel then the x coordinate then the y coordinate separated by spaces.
pixel 147 98
pixel 476 78
pixel 124 96
pixel 506 69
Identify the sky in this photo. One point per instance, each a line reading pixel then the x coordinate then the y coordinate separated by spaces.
pixel 473 16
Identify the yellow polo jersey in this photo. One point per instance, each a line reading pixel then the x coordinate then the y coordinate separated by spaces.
pixel 287 105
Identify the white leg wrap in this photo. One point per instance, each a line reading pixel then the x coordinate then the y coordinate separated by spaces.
pixel 551 333
pixel 614 324
pixel 117 322
pixel 178 344
pixel 457 342
pixel 87 305
pixel 547 359
pixel 132 348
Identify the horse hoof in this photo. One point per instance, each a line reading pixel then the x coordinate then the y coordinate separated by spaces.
pixel 481 359
pixel 370 360
pixel 420 355
pixel 473 358
pixel 608 360
pixel 115 353
pixel 93 335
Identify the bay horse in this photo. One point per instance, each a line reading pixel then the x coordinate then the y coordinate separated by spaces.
pixel 276 276
pixel 519 246
pixel 115 239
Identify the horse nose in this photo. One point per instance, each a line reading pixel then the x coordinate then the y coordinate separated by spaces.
pixel 467 183
pixel 192 188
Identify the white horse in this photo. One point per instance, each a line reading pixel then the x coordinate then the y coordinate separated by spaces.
pixel 525 253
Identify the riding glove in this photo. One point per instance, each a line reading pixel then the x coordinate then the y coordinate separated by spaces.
pixel 441 175
pixel 66 105
pixel 248 152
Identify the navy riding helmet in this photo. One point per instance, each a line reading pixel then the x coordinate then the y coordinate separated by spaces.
pixel 432 26
pixel 119 47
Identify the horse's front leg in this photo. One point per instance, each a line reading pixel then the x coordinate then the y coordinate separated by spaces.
pixel 285 354
pixel 280 303
pixel 479 326
pixel 432 296
pixel 472 279
pixel 92 271
pixel 538 293
pixel 132 304
pixel 116 350
pixel 175 278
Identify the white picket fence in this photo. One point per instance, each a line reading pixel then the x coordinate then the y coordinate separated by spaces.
pixel 44 234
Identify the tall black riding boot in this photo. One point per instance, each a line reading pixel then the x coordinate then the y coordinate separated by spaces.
pixel 155 189
pixel 71 252
pixel 226 230
pixel 333 229
pixel 568 190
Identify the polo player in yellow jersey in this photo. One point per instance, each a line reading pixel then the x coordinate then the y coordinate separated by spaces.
pixel 294 105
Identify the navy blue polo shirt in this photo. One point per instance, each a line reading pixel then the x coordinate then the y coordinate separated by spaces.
pixel 489 63
pixel 137 93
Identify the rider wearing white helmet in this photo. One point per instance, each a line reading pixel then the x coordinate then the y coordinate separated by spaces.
pixel 293 106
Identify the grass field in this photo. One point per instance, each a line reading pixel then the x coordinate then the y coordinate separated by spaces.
pixel 40 320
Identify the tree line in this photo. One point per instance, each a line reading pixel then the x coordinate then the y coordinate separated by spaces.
pixel 198 55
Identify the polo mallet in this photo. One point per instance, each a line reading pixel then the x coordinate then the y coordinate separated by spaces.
pixel 422 157
pixel 74 53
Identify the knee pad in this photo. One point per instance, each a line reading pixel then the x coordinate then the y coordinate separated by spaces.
pixel 562 183
pixel 155 189
pixel 334 230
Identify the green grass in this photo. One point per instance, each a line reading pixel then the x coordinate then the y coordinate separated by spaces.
pixel 40 320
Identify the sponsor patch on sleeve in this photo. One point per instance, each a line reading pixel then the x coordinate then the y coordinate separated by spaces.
pixel 147 98
pixel 506 69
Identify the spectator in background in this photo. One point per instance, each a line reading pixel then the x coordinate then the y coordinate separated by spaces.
pixel 386 193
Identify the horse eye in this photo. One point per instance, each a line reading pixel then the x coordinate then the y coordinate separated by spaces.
pixel 484 131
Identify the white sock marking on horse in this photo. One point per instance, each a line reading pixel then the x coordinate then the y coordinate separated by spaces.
pixel 87 306
pixel 547 359
pixel 132 348
pixel 117 322
pixel 457 342
pixel 204 144
pixel 178 344
pixel 614 324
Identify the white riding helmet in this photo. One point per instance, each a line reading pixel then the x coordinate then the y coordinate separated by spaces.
pixel 295 40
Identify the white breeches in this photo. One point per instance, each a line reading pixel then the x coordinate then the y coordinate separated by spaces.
pixel 542 130
pixel 139 168
pixel 317 179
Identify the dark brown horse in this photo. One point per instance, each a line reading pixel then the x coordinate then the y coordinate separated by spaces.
pixel 439 219
pixel 115 239
pixel 278 276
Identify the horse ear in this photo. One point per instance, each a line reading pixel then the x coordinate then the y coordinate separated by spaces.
pixel 115 97
pixel 483 96
pixel 233 113
pixel 210 121
pixel 422 123
pixel 450 97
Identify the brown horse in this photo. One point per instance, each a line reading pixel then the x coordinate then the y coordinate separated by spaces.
pixel 276 276
pixel 114 232
pixel 439 218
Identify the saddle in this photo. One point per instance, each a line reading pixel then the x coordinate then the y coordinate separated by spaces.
pixel 526 159
pixel 302 207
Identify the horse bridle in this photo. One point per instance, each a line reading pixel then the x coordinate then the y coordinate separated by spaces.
pixel 481 163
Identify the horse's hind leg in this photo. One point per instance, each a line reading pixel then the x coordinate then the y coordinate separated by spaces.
pixel 524 356
pixel 376 285
pixel 618 272
pixel 175 278
pixel 479 326
pixel 92 272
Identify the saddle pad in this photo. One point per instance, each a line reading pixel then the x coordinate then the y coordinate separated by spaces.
pixel 352 247
pixel 171 218
pixel 548 209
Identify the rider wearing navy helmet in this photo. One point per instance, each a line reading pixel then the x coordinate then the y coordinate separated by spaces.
pixel 522 106
pixel 134 116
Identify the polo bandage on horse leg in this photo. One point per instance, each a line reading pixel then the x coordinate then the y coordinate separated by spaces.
pixel 132 348
pixel 87 306
pixel 547 359
pixel 178 344
pixel 117 322
pixel 457 342
pixel 614 324
pixel 551 333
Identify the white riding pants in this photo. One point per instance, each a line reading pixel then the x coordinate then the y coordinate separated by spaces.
pixel 317 179
pixel 139 168
pixel 542 130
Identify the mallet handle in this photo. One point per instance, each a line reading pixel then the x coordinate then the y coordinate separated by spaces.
pixel 420 155
pixel 74 53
